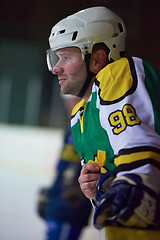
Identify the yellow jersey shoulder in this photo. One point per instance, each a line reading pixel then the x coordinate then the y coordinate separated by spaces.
pixel 115 80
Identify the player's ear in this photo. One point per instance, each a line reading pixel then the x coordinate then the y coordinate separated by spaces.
pixel 98 61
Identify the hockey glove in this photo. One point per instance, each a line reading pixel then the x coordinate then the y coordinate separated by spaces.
pixel 132 200
pixel 42 201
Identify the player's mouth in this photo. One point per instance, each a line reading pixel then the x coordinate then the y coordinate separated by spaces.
pixel 61 81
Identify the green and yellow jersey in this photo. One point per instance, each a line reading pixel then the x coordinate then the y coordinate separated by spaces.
pixel 119 126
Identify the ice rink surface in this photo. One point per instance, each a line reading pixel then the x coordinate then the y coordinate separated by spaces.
pixel 27 158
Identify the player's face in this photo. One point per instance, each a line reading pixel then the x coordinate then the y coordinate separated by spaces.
pixel 71 70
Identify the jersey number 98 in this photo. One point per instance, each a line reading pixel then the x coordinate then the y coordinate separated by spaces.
pixel 120 119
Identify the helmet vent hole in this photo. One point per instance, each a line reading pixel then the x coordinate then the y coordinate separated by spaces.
pixel 120 27
pixel 62 31
pixel 74 36
pixel 114 45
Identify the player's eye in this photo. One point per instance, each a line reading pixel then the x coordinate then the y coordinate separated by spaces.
pixel 65 59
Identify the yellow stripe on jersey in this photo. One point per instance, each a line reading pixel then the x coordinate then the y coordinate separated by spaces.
pixel 114 233
pixel 69 154
pixel 115 80
pixel 100 160
pixel 132 157
pixel 78 106
pixel 81 121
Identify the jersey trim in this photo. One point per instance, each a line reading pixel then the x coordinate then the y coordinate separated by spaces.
pixel 78 107
pixel 137 157
pixel 136 164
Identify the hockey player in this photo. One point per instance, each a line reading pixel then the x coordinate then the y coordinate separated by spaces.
pixel 116 126
pixel 62 205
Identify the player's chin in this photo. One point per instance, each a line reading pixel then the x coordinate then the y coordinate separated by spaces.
pixel 63 90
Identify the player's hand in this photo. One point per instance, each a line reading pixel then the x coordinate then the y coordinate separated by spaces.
pixel 132 200
pixel 89 175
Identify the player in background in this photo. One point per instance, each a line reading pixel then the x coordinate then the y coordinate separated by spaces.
pixel 116 126
pixel 63 206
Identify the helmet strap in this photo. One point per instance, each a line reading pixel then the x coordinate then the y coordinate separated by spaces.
pixel 90 75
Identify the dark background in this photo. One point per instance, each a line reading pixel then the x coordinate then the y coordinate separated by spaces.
pixel 29 94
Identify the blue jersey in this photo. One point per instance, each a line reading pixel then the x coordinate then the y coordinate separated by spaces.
pixel 66 202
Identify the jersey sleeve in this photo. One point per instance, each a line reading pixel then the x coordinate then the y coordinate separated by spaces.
pixel 128 113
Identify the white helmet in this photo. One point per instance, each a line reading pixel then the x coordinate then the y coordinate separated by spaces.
pixel 85 28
